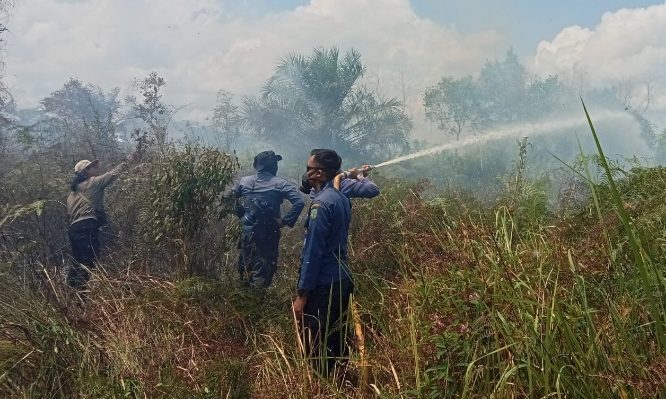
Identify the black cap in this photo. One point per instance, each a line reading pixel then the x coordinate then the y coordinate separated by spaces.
pixel 266 158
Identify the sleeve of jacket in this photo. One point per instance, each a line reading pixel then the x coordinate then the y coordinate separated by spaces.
pixel 291 193
pixel 102 181
pixel 237 197
pixel 364 188
pixel 236 190
pixel 315 244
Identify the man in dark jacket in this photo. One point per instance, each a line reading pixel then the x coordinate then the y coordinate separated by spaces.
pixel 325 284
pixel 261 196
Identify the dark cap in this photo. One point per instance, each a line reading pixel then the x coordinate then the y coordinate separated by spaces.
pixel 266 158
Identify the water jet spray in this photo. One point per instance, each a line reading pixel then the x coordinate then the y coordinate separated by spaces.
pixel 517 130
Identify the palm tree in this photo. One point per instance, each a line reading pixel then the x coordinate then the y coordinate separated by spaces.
pixel 315 101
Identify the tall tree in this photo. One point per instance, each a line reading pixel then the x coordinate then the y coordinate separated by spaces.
pixel 82 120
pixel 316 101
pixel 6 122
pixel 226 121
pixel 543 95
pixel 503 93
pixel 636 99
pixel 152 110
pixel 502 87
pixel 452 104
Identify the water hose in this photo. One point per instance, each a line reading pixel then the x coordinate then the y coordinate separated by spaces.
pixel 338 179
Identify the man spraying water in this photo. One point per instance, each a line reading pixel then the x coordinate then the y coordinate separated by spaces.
pixel 325 283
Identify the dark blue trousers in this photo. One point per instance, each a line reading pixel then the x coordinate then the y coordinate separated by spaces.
pixel 84 238
pixel 325 325
pixel 257 260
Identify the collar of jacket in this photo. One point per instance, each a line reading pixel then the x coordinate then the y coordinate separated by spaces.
pixel 265 174
pixel 325 186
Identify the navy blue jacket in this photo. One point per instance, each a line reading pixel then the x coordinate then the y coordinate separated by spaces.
pixel 354 188
pixel 272 190
pixel 324 259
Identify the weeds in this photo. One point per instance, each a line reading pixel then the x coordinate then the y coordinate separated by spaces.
pixel 456 299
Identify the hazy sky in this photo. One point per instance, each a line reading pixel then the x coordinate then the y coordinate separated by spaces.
pixel 206 45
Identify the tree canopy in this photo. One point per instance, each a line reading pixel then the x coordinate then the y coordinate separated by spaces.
pixel 503 93
pixel 82 119
pixel 317 101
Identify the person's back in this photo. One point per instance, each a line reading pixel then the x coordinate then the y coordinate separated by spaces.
pixel 261 196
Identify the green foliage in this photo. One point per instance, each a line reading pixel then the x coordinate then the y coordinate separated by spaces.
pixel 453 104
pixel 651 275
pixel 82 121
pixel 227 378
pixel 25 138
pixel 39 352
pixel 458 299
pixel 10 213
pixel 459 296
pixel 542 95
pixel 316 101
pixel 152 111
pixel 526 200
pixel 502 94
pixel 32 216
pixel 496 307
pixel 226 121
pixel 503 88
pixel 185 195
pixel 136 338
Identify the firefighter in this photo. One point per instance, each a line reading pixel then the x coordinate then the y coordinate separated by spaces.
pixel 325 284
pixel 260 197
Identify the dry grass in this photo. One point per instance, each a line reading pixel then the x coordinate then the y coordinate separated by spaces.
pixel 456 300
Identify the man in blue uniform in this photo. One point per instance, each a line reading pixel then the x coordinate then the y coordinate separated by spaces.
pixel 325 284
pixel 261 196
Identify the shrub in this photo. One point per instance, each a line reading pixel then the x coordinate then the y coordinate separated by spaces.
pixel 183 202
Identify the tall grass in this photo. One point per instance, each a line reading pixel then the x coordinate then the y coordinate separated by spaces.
pixel 135 337
pixel 455 298
pixel 569 307
pixel 642 258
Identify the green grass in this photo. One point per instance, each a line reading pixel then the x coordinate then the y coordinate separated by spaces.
pixel 457 298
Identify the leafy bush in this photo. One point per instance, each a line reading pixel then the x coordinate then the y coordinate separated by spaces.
pixel 184 196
